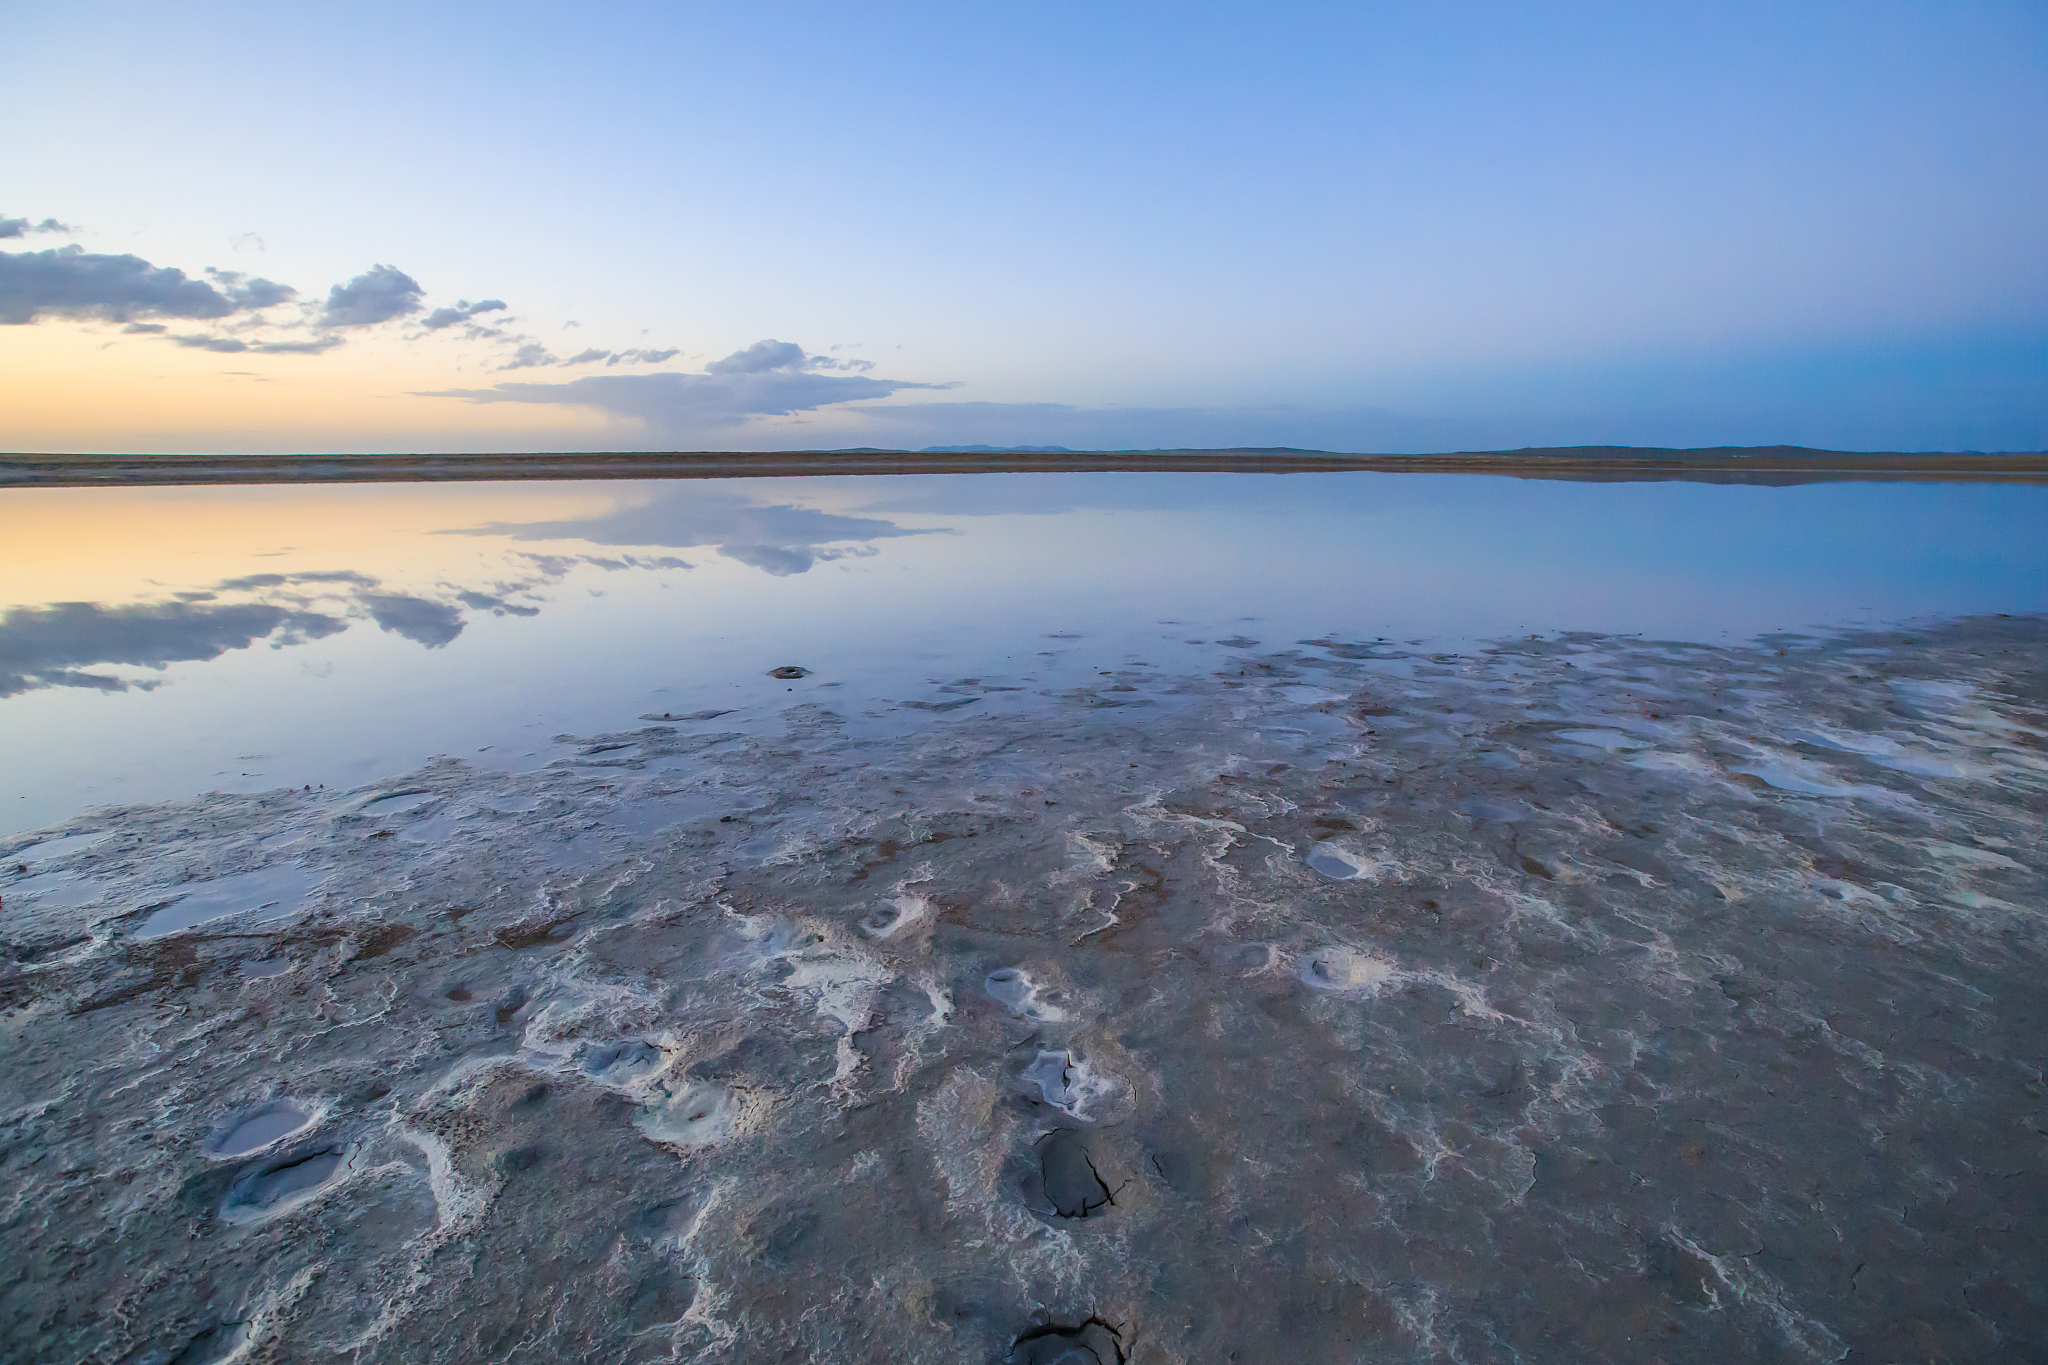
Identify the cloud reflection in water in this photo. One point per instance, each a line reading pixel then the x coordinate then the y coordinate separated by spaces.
pixel 71 644
pixel 56 645
pixel 51 646
pixel 776 538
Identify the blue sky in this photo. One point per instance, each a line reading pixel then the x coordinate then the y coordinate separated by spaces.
pixel 1357 227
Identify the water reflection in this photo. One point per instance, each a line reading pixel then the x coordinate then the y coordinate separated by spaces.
pixel 777 538
pixel 1381 940
pixel 71 644
pixel 61 645
pixel 410 620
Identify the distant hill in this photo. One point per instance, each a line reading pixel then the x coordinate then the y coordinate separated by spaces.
pixel 996 450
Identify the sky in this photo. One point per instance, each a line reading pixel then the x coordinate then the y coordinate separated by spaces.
pixel 1361 227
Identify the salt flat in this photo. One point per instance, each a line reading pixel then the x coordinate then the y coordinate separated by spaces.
pixel 1075 917
pixel 1205 1013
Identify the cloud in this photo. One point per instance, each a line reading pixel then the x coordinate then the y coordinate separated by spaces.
pixel 71 282
pixel 235 346
pixel 764 357
pixel 533 355
pixel 463 311
pixel 768 379
pixel 530 356
pixel 611 358
pixel 311 346
pixel 760 358
pixel 378 295
pixel 22 227
pixel 46 646
pixel 251 293
pixel 225 345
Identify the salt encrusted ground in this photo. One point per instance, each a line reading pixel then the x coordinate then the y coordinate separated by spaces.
pixel 1568 1000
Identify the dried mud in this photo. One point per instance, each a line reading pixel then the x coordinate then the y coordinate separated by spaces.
pixel 1567 1000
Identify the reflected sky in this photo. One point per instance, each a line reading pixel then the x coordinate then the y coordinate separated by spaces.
pixel 159 642
pixel 778 538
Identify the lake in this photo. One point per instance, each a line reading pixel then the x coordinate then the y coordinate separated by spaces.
pixel 237 639
pixel 1005 915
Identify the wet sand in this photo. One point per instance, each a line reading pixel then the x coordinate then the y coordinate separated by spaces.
pixel 1580 999
pixel 1764 465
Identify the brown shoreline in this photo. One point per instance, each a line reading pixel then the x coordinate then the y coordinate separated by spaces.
pixel 1770 465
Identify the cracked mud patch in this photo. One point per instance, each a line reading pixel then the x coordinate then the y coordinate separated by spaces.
pixel 1072 1184
pixel 1093 1342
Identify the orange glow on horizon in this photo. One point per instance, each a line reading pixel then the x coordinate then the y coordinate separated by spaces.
pixel 80 389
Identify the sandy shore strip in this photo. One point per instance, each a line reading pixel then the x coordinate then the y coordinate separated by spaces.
pixel 1771 465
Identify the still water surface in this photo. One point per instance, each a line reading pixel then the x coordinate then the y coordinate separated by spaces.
pixel 156 643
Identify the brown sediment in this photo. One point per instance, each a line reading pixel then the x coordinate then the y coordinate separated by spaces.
pixel 1773 465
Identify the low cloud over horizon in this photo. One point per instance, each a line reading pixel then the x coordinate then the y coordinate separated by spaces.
pixel 1964 393
pixel 252 315
pixel 735 402
pixel 766 379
